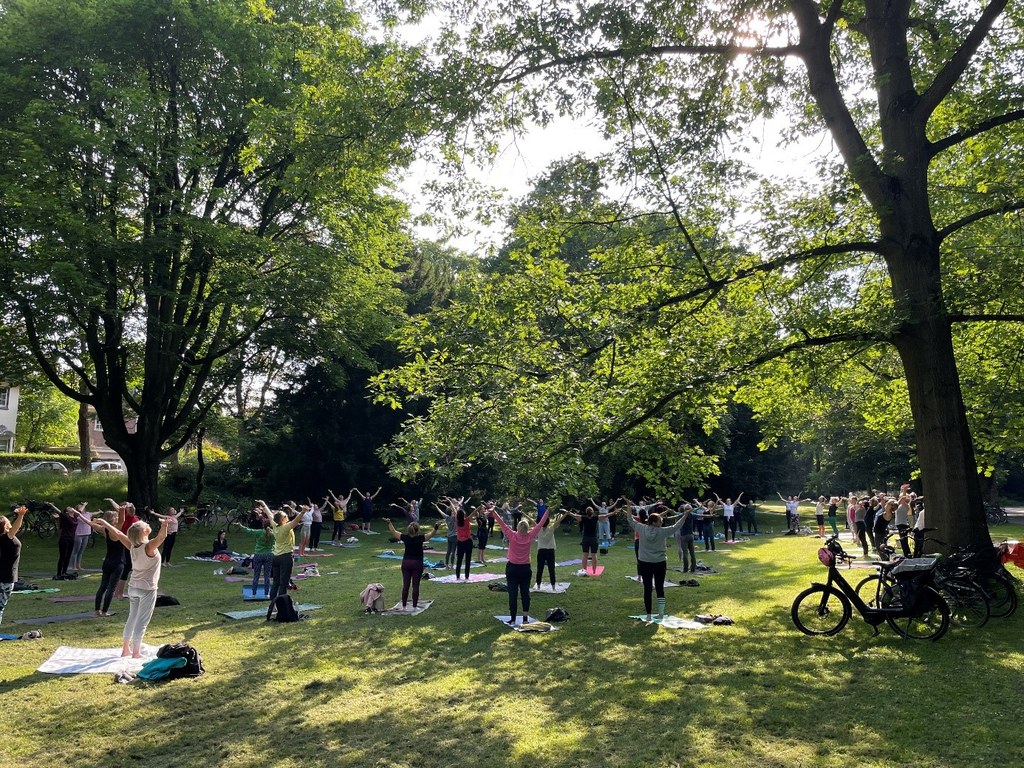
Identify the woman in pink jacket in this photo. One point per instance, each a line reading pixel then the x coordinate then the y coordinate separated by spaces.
pixel 518 573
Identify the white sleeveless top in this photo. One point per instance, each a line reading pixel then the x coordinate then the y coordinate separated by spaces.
pixel 145 569
pixel 727 509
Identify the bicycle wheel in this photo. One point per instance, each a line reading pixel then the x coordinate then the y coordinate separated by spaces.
pixel 876 591
pixel 968 604
pixel 929 624
pixel 45 526
pixel 1001 593
pixel 820 610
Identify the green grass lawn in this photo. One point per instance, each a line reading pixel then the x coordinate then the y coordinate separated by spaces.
pixel 452 687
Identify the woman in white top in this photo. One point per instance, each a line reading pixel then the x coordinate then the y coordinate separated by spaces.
pixel 546 548
pixel 145 577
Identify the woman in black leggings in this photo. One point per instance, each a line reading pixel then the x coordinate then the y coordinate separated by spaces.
pixel 651 558
pixel 111 569
pixel 546 549
pixel 412 559
pixel 518 573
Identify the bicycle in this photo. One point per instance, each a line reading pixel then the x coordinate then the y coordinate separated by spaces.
pixel 205 515
pixel 238 517
pixel 916 611
pixel 995 514
pixel 983 567
pixel 39 520
pixel 969 605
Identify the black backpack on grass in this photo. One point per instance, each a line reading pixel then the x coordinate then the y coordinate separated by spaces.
pixel 193 661
pixel 285 609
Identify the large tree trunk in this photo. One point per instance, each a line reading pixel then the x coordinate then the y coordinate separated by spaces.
pixel 84 438
pixel 949 472
pixel 141 453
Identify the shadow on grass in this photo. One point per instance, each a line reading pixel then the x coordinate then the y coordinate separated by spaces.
pixel 452 687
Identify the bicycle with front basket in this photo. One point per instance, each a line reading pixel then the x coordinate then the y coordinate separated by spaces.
pixel 915 611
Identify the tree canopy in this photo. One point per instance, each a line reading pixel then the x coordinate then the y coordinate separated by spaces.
pixel 189 184
pixel 904 243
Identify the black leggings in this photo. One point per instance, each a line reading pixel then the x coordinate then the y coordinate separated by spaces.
pixel 518 578
pixel 730 526
pixel 412 572
pixel 862 534
pixel 64 550
pixel 546 557
pixel 281 575
pixel 108 581
pixel 652 572
pixel 168 547
pixel 314 535
pixel 463 551
pixel 339 531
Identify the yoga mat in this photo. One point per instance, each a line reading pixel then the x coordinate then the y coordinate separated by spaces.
pixel 591 572
pixel 474 578
pixel 498 560
pixel 10 637
pixel 673 622
pixel 560 587
pixel 71 599
pixel 236 579
pixel 35 591
pixel 345 544
pixel 318 554
pixel 258 612
pixel 408 610
pixel 638 580
pixel 67 660
pixel 64 617
pixel 389 556
pixel 261 593
pixel 518 626
pixel 577 561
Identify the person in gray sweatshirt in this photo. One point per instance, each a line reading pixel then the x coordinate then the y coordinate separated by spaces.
pixel 651 562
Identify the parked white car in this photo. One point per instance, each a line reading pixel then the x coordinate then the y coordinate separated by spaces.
pixel 45 466
pixel 108 467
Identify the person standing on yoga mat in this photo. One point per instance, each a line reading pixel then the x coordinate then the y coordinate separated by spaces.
pixel 684 540
pixel 484 526
pixel 283 531
pixel 172 535
pixel 588 525
pixel 546 548
pixel 145 578
pixel 651 557
pixel 82 534
pixel 366 506
pixel 339 510
pixel 125 519
pixel 464 536
pixel 452 537
pixel 67 524
pixel 412 559
pixel 263 548
pixel 518 573
pixel 111 568
pixel 10 554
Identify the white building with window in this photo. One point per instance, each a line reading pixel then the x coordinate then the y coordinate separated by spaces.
pixel 8 416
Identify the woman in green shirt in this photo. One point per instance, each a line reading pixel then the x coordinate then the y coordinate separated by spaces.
pixel 262 550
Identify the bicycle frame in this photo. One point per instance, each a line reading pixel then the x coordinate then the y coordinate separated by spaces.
pixel 874 617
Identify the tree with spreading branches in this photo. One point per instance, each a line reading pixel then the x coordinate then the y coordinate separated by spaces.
pixel 189 186
pixel 908 238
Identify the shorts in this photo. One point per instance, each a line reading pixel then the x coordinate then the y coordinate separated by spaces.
pixel 819 519
pixel 590 545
